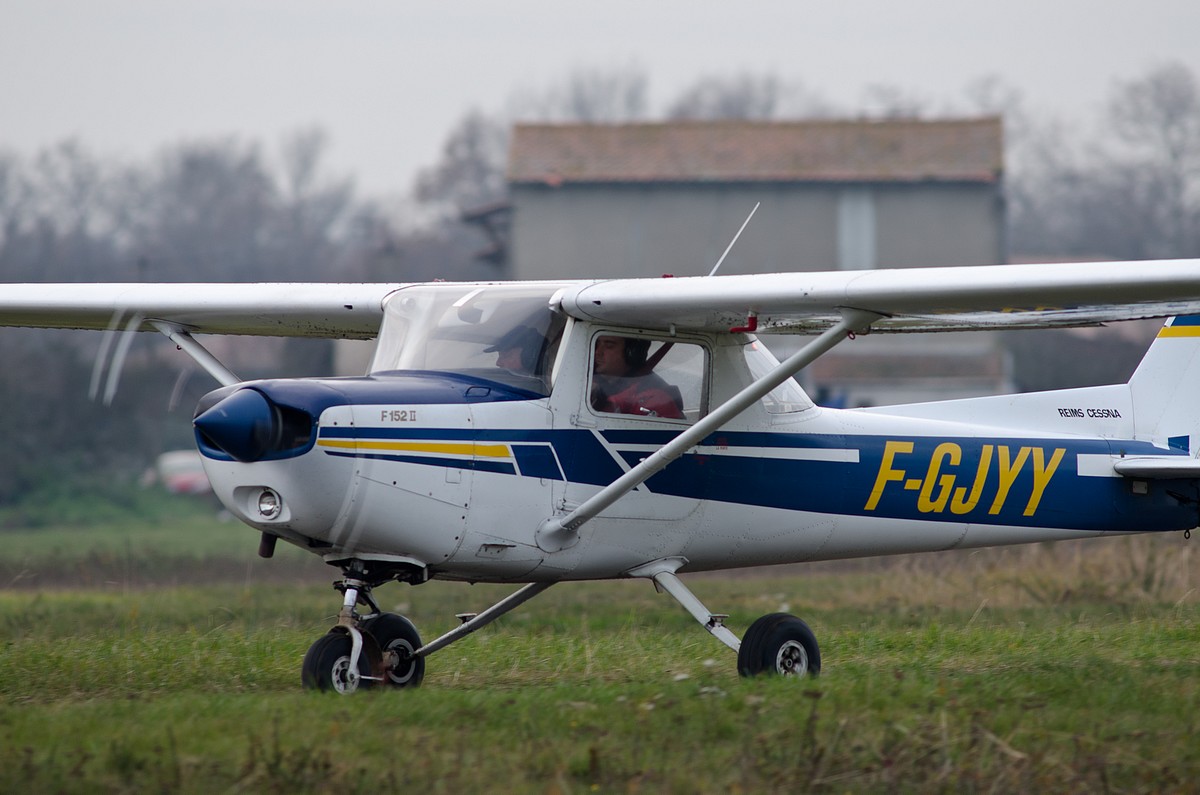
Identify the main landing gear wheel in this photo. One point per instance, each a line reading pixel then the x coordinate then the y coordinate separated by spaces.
pixel 327 665
pixel 779 644
pixel 397 639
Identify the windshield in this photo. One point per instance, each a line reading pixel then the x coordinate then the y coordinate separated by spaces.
pixel 505 333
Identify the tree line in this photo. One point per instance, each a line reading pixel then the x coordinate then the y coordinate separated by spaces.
pixel 1122 185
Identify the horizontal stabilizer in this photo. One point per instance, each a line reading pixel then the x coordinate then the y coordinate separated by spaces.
pixel 1158 467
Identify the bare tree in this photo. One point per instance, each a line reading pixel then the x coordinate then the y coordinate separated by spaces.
pixel 598 96
pixel 13 190
pixel 591 96
pixel 59 220
pixel 313 201
pixel 72 188
pixel 470 171
pixel 1131 192
pixel 748 97
pixel 205 211
pixel 312 209
pixel 887 101
pixel 737 97
pixel 1157 117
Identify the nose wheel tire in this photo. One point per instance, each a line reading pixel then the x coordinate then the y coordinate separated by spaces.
pixel 779 644
pixel 397 636
pixel 327 666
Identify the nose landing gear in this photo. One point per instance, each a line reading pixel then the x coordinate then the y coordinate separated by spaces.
pixel 380 648
pixel 362 651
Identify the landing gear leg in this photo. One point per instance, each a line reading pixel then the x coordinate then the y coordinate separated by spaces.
pixel 662 572
pixel 775 644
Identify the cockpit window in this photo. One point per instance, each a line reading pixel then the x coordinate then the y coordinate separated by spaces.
pixel 499 332
pixel 647 378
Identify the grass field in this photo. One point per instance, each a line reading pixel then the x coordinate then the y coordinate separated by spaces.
pixel 145 657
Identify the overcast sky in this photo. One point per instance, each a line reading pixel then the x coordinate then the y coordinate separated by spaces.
pixel 388 79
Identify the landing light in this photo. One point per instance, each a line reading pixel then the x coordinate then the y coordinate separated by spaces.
pixel 269 504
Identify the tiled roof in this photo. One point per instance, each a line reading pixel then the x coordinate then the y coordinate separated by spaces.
pixel 737 151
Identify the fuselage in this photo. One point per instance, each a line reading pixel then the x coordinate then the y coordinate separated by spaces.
pixel 457 473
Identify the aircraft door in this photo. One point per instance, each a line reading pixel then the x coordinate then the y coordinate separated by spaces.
pixel 632 394
pixel 512 471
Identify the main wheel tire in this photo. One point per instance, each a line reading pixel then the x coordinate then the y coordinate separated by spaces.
pixel 397 633
pixel 327 665
pixel 779 644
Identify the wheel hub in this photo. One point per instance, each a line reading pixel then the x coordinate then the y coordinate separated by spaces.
pixel 400 667
pixel 792 659
pixel 345 679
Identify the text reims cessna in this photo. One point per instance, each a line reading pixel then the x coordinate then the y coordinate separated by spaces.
pixel 539 433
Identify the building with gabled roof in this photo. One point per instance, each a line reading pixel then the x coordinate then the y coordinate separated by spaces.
pixel 596 200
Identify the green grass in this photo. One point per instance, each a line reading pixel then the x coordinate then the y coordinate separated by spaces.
pixel 1073 668
pixel 183 540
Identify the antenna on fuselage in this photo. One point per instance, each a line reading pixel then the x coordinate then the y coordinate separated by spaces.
pixel 728 248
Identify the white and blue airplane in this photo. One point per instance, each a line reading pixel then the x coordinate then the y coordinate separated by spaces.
pixel 546 432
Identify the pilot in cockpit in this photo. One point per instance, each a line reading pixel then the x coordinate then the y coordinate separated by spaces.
pixel 623 381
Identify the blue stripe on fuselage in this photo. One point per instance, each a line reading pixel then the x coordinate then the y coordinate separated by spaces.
pixel 1029 482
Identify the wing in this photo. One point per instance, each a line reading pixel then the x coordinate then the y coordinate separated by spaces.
pixel 287 310
pixel 915 299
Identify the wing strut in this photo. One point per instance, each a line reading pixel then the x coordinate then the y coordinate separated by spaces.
pixel 559 533
pixel 187 343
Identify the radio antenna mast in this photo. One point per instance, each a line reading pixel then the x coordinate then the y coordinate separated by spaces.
pixel 713 272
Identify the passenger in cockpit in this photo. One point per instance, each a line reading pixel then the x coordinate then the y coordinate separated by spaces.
pixel 623 381
pixel 517 351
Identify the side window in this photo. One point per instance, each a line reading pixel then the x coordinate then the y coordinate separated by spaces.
pixel 786 398
pixel 647 378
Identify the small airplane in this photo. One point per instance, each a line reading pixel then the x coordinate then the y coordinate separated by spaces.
pixel 546 432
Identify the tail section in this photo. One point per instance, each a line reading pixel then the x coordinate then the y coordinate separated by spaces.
pixel 1160 404
pixel 1165 388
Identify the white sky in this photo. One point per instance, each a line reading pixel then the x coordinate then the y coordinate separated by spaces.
pixel 388 79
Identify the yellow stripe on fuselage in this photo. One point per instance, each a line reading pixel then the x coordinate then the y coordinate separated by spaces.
pixel 1179 331
pixel 441 448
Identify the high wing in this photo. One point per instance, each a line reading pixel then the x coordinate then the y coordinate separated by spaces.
pixel 917 299
pixel 351 311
